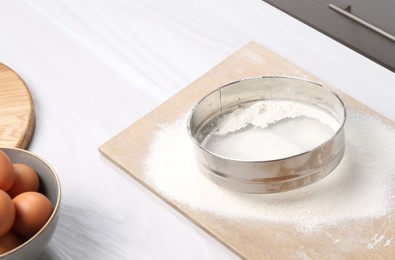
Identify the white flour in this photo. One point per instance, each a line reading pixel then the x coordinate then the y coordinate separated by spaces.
pixel 271 129
pixel 266 112
pixel 360 187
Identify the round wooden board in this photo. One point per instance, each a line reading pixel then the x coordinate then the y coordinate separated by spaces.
pixel 16 110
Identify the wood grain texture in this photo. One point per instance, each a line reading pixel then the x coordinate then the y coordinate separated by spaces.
pixel 16 110
pixel 249 239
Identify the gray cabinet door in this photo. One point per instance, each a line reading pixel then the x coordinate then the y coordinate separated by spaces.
pixel 367 26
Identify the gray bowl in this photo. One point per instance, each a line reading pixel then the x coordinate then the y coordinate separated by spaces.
pixel 49 186
pixel 275 174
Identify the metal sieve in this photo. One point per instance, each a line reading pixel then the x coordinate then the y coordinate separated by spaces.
pixel 262 175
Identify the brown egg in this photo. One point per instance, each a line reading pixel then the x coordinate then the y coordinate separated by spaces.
pixel 26 179
pixel 7 213
pixel 7 174
pixel 8 242
pixel 32 211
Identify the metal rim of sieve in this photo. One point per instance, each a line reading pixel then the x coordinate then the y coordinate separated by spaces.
pixel 268 176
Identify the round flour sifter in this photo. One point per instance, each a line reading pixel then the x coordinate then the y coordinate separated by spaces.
pixel 268 134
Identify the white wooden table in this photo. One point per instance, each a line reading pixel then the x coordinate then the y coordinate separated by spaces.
pixel 95 67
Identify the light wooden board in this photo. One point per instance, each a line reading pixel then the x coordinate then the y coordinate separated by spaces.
pixel 248 239
pixel 16 110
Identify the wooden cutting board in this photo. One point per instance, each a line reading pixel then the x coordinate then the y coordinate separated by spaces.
pixel 250 239
pixel 16 110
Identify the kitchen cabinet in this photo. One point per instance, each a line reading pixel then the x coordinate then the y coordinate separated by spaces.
pixel 366 26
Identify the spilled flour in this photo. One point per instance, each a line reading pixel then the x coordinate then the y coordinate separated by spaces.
pixel 359 188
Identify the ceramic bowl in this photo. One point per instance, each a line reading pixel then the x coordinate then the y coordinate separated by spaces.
pixel 50 187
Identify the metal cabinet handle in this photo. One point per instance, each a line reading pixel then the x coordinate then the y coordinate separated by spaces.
pixel 362 22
